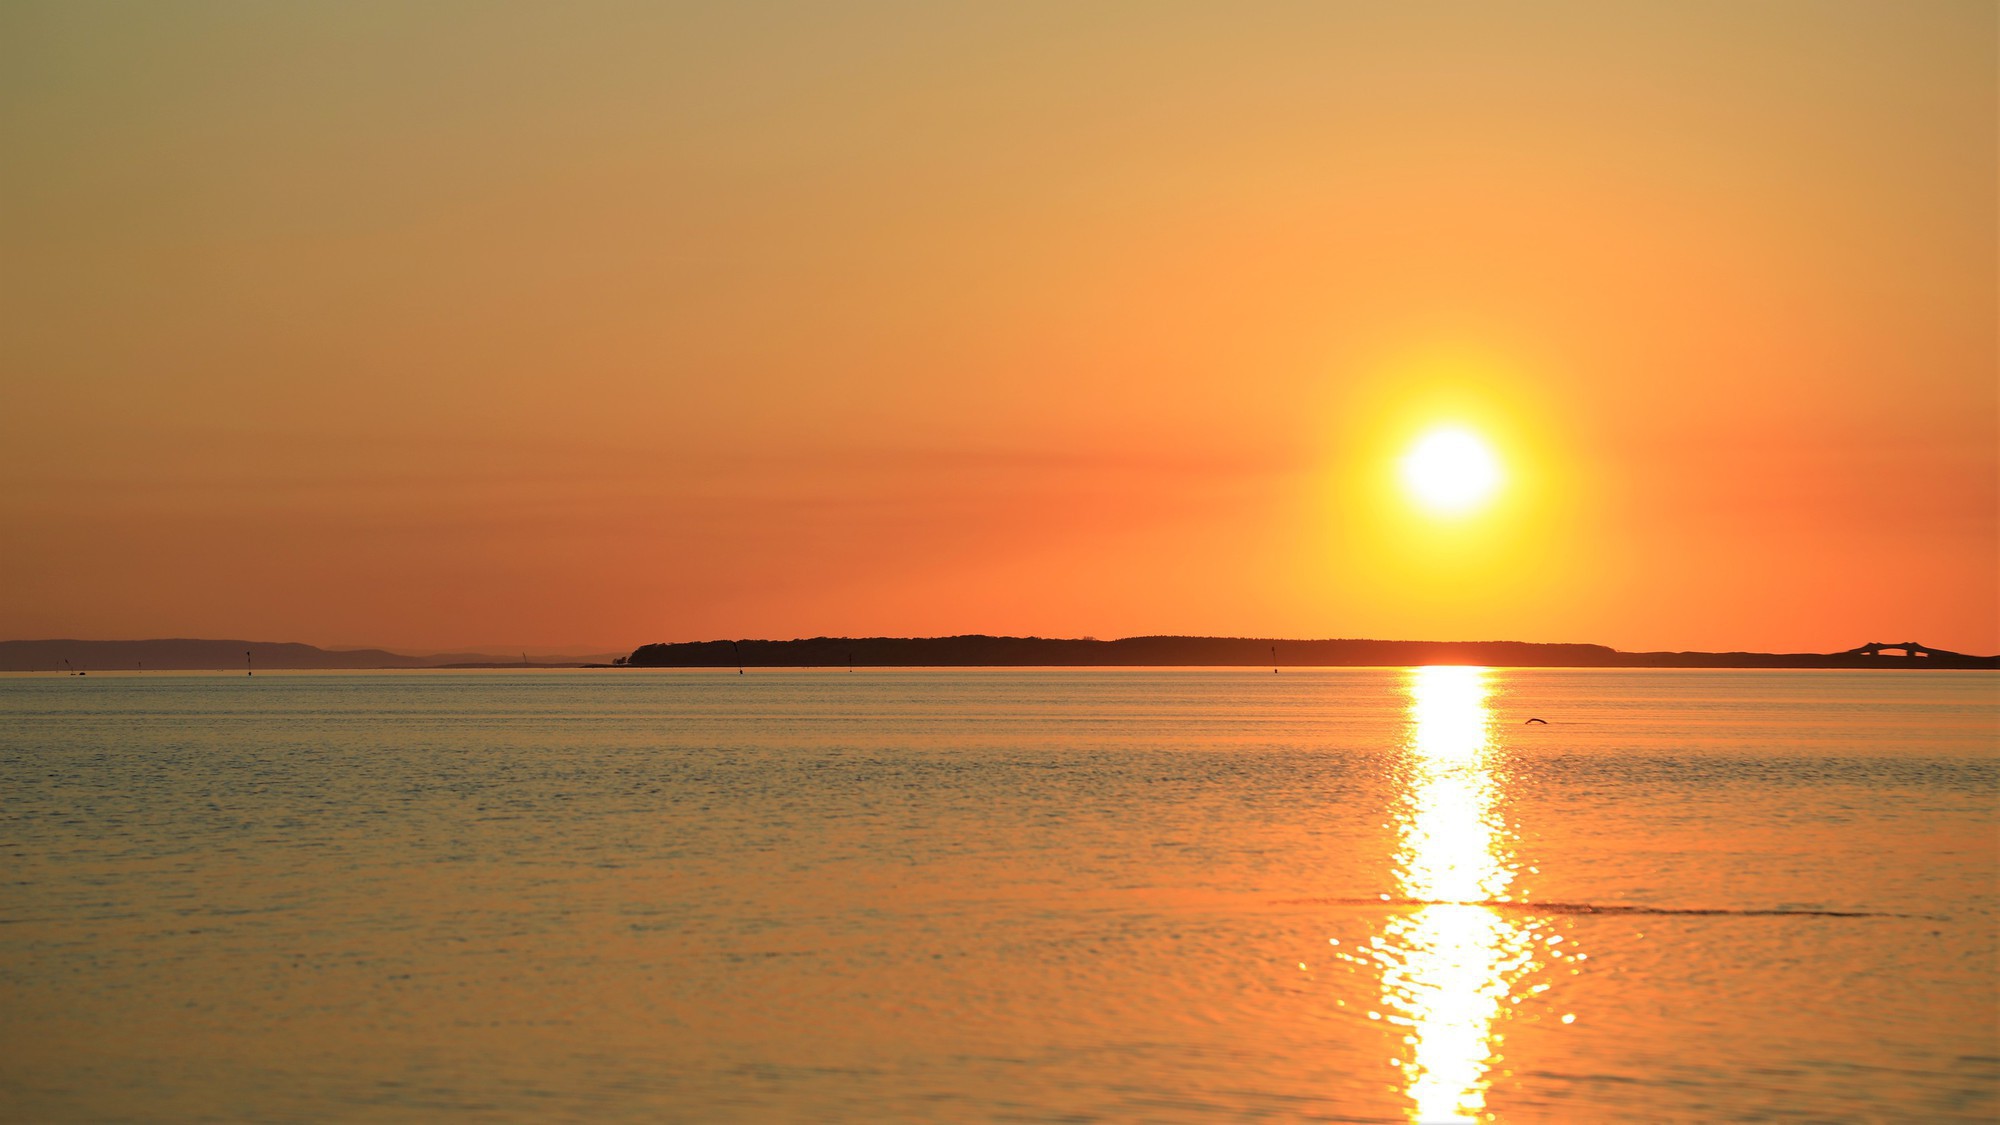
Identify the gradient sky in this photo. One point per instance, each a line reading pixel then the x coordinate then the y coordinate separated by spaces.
pixel 448 325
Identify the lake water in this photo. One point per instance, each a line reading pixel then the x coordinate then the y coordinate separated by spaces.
pixel 1344 894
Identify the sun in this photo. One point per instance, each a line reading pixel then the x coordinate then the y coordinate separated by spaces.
pixel 1451 471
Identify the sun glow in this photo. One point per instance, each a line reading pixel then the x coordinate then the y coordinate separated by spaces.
pixel 1451 470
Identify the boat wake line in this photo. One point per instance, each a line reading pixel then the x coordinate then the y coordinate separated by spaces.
pixel 1594 908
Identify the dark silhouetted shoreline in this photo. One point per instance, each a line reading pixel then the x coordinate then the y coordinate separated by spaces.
pixel 985 651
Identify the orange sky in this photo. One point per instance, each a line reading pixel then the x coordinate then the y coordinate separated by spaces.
pixel 452 325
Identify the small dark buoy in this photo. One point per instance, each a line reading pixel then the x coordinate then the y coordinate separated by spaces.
pixel 1544 722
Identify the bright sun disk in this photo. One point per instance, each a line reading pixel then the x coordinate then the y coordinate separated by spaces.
pixel 1450 470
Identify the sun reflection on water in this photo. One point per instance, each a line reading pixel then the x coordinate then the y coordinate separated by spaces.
pixel 1449 965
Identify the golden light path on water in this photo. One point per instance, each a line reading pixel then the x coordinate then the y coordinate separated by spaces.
pixel 1451 964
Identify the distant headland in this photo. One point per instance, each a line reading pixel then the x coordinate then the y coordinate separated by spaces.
pixel 984 651
pixel 182 654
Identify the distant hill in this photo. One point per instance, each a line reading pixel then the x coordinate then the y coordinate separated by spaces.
pixel 985 651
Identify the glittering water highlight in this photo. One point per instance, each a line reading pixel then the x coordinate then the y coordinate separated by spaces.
pixel 1450 967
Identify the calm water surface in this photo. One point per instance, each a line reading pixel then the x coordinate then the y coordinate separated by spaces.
pixel 1355 895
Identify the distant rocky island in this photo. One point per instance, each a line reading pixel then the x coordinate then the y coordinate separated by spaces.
pixel 984 651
